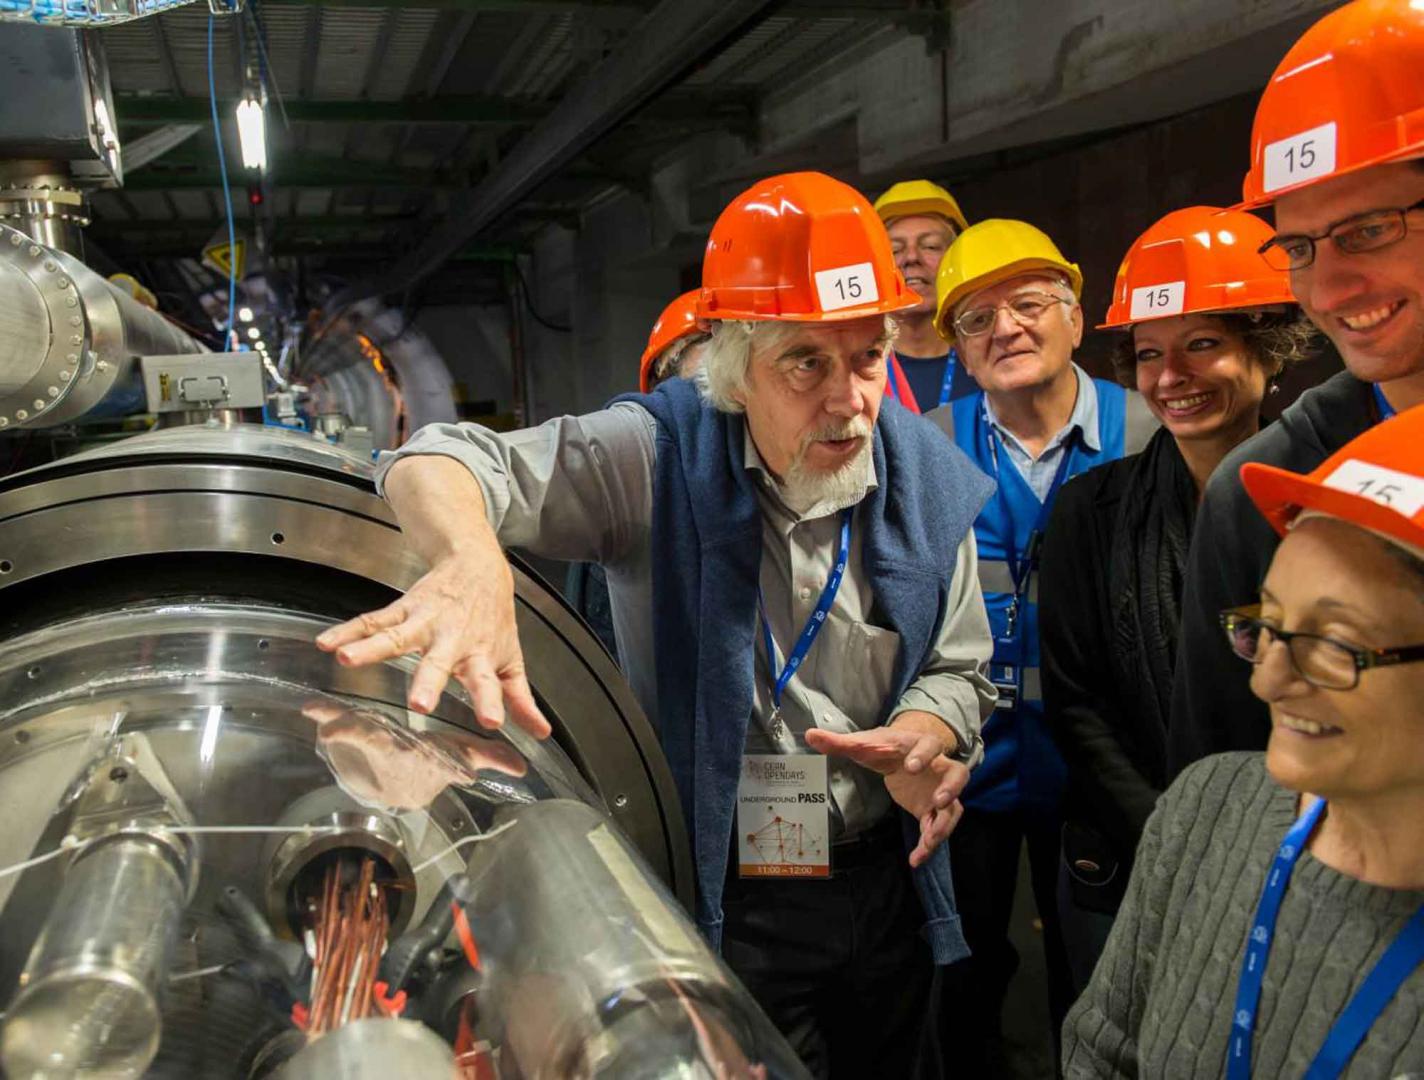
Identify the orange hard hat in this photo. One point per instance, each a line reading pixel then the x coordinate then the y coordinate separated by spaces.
pixel 1348 95
pixel 802 247
pixel 677 320
pixel 1375 481
pixel 1193 260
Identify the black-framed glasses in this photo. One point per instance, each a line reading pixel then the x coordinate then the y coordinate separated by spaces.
pixel 1319 660
pixel 1363 232
pixel 1026 309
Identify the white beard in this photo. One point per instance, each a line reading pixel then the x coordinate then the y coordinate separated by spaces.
pixel 806 488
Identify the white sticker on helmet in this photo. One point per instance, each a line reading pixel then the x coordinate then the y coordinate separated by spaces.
pixel 1398 491
pixel 1301 157
pixel 846 286
pixel 1154 301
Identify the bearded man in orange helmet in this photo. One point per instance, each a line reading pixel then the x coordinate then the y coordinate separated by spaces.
pixel 795 595
pixel 1337 151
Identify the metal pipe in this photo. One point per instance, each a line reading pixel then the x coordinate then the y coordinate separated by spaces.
pixel 40 200
pixel 69 340
pixel 89 997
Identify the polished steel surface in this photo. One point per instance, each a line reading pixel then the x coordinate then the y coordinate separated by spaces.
pixel 628 982
pixel 90 998
pixel 373 1050
pixel 77 338
pixel 160 689
pixel 234 492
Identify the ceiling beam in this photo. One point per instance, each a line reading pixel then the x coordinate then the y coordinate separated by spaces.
pixel 654 55
pixel 463 109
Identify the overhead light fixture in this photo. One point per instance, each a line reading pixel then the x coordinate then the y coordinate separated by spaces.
pixel 254 333
pixel 252 133
pixel 245 314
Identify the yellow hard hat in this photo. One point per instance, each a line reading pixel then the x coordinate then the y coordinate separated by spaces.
pixel 910 197
pixel 988 253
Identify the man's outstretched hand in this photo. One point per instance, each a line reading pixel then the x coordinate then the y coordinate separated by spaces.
pixel 459 619
pixel 910 754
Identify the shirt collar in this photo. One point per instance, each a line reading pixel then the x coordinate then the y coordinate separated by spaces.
pixel 1084 417
pixel 767 483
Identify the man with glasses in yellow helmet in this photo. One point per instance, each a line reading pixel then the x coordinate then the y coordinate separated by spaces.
pixel 1337 152
pixel 922 219
pixel 1008 299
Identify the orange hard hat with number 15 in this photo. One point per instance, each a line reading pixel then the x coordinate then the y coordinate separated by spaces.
pixel 1348 95
pixel 1196 260
pixel 801 247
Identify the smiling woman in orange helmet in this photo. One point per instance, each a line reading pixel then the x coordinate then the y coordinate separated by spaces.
pixel 1274 922
pixel 1206 325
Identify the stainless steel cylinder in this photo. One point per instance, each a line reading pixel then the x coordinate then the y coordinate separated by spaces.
pixel 88 1003
pixel 373 1050
pixel 627 988
pixel 40 200
pixel 69 340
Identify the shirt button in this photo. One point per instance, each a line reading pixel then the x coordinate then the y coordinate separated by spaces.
pixel 805 592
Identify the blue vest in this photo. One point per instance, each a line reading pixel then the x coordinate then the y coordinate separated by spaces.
pixel 707 533
pixel 1022 769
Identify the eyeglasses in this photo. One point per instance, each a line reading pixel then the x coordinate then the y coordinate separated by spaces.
pixel 1365 232
pixel 1026 309
pixel 1320 661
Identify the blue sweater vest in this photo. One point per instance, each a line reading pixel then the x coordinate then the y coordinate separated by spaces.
pixel 707 533
pixel 1022 769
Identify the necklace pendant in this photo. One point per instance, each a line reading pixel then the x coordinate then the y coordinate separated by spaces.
pixel 775 726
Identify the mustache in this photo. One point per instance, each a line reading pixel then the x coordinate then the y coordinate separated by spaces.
pixel 857 427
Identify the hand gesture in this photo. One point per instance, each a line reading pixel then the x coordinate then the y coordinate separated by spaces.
pixel 459 619
pixel 920 779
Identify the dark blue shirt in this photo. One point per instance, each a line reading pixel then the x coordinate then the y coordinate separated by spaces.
pixel 926 376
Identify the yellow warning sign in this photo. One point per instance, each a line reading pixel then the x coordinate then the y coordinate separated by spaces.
pixel 227 259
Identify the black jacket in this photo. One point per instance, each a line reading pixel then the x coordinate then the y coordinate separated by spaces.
pixel 1213 709
pixel 1116 755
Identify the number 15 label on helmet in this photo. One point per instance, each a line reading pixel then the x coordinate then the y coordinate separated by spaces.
pixel 1301 157
pixel 1154 301
pixel 1399 491
pixel 846 286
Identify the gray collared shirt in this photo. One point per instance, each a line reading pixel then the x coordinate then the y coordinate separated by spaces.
pixel 581 488
pixel 1039 471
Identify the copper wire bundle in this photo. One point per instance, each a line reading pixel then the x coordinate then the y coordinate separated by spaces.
pixel 350 929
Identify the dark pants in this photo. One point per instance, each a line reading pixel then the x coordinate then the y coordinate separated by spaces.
pixel 984 854
pixel 839 965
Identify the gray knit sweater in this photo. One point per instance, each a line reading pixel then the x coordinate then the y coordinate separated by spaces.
pixel 1161 998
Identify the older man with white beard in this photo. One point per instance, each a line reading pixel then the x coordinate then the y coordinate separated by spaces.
pixel 795 595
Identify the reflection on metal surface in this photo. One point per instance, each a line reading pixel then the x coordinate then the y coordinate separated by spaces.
pixel 219 842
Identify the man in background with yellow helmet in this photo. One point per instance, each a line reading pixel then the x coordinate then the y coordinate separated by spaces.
pixel 922 219
pixel 1009 300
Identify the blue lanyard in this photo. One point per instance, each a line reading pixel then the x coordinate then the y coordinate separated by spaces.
pixel 1386 410
pixel 1021 567
pixel 945 387
pixel 1404 954
pixel 813 624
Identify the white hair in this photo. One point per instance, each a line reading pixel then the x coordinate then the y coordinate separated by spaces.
pixel 727 357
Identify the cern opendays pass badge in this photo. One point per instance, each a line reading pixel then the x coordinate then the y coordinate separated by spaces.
pixel 783 816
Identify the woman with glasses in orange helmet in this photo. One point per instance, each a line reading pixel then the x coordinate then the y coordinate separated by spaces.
pixel 1207 324
pixel 1274 923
